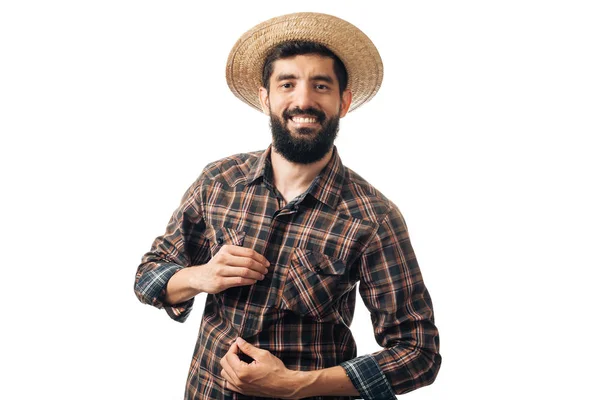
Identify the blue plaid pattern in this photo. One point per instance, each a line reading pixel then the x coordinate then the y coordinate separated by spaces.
pixel 367 378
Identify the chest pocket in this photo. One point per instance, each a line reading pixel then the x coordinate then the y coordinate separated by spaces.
pixel 313 283
pixel 225 236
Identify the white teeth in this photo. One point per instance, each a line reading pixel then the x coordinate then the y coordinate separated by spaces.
pixel 304 120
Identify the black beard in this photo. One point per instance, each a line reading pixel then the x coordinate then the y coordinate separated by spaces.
pixel 304 150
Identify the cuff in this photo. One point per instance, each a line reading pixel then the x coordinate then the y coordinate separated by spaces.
pixel 152 288
pixel 367 378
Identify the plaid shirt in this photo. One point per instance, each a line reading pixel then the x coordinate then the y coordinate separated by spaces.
pixel 338 233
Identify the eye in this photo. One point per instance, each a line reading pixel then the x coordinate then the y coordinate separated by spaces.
pixel 286 85
pixel 321 86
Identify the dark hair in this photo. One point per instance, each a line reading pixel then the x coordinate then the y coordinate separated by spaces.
pixel 297 48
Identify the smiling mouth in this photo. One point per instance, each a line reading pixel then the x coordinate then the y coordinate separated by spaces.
pixel 304 121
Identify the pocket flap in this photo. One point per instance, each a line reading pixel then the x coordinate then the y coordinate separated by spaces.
pixel 319 262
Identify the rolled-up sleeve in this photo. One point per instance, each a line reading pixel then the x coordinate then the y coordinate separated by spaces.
pixel 393 290
pixel 182 245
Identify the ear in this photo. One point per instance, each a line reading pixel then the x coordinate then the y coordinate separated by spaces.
pixel 263 96
pixel 346 101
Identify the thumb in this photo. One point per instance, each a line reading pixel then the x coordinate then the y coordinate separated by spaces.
pixel 247 348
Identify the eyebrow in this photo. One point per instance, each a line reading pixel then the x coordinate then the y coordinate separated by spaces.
pixel 324 78
pixel 321 77
pixel 283 77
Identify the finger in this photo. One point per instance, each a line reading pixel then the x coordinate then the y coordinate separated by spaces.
pixel 242 272
pixel 247 348
pixel 234 348
pixel 229 385
pixel 233 360
pixel 246 262
pixel 234 281
pixel 245 252
pixel 228 368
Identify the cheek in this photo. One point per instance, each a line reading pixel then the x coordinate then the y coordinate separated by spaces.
pixel 276 102
pixel 277 108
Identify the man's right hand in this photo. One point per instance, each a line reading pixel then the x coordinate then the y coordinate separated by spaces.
pixel 231 266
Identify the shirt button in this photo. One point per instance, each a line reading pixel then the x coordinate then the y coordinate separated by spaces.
pixel 318 269
pixel 220 240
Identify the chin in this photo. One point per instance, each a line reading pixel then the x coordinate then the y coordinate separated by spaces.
pixel 307 131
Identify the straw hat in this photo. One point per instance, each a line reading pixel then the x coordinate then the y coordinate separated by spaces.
pixel 353 47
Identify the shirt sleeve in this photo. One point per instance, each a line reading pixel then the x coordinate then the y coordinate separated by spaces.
pixel 393 290
pixel 182 245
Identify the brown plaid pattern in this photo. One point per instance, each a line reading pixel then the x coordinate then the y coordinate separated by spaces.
pixel 338 233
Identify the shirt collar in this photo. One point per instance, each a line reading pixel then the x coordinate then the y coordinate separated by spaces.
pixel 326 187
pixel 262 165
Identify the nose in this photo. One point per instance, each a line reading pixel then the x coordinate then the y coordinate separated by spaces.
pixel 303 97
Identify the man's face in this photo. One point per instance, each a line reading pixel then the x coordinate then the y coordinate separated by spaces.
pixel 305 106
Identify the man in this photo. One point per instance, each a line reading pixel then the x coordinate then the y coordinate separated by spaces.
pixel 280 239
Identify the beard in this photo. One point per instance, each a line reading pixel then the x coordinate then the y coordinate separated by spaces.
pixel 307 147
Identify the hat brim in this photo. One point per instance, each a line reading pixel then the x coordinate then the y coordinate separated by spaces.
pixel 357 52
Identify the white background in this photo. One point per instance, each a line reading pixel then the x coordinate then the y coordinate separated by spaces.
pixel 484 133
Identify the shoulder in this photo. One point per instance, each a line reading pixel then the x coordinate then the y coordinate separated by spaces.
pixel 231 170
pixel 362 200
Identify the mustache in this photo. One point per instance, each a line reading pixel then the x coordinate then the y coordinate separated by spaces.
pixel 287 114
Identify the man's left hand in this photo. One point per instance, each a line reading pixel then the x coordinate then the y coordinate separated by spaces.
pixel 266 376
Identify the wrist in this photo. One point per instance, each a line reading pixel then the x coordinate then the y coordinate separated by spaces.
pixel 182 286
pixel 301 383
pixel 193 279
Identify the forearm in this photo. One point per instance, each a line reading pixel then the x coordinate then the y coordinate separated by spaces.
pixel 182 286
pixel 364 377
pixel 329 381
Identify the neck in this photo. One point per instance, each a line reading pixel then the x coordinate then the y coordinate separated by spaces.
pixel 292 179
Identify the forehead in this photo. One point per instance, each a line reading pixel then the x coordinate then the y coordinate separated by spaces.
pixel 304 66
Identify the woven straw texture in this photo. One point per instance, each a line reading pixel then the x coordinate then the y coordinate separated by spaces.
pixel 353 47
